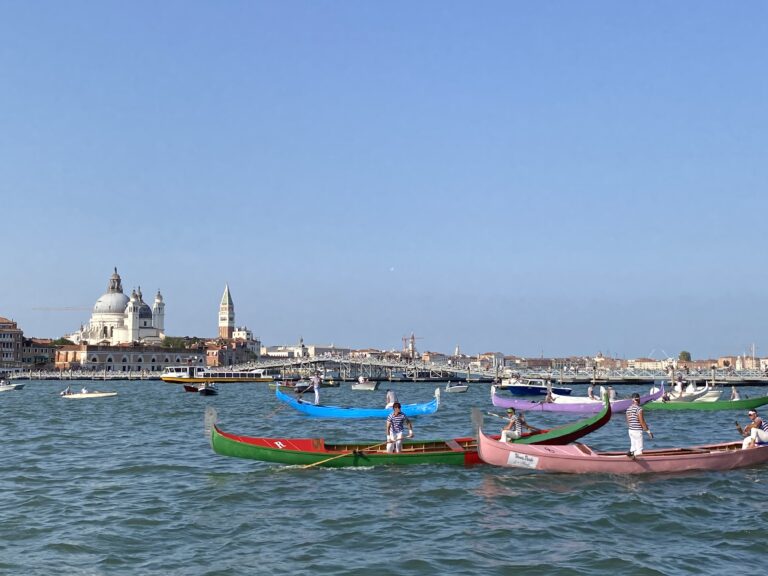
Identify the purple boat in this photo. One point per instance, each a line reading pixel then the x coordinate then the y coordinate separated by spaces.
pixel 573 404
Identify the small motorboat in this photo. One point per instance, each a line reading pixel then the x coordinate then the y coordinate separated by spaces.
pixel 87 395
pixel 208 389
pixel 191 388
pixel 531 387
pixel 6 387
pixel 456 387
pixel 365 384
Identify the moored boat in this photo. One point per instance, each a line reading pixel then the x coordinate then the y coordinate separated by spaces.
pixel 321 411
pixel 572 404
pixel 581 459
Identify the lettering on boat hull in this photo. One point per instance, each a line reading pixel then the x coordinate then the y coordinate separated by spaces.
pixel 522 460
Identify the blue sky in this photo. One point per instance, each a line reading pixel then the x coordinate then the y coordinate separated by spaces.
pixel 539 178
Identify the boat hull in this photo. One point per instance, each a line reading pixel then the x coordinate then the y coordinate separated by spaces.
pixel 581 459
pixel 321 411
pixel 87 395
pixel 587 407
pixel 306 451
pixel 744 404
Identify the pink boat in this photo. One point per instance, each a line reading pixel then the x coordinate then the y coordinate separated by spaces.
pixel 581 459
pixel 569 403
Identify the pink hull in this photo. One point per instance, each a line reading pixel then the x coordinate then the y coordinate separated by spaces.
pixel 581 459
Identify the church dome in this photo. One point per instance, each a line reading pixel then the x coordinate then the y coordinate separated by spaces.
pixel 111 303
pixel 145 311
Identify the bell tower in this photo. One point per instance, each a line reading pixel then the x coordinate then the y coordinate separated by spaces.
pixel 226 315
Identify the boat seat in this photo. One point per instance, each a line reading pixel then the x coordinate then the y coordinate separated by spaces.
pixel 586 449
pixel 455 446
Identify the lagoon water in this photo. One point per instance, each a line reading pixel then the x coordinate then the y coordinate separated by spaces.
pixel 130 485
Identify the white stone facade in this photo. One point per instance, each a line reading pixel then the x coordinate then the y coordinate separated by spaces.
pixel 120 319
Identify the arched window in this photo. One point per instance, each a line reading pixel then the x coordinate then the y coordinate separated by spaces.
pixel 140 360
pixel 124 360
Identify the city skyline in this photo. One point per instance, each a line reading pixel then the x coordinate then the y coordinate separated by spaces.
pixel 539 180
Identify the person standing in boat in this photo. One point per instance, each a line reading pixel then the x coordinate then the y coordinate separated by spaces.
pixel 754 432
pixel 735 393
pixel 636 425
pixel 396 423
pixel 315 382
pixel 391 398
pixel 591 391
pixel 611 394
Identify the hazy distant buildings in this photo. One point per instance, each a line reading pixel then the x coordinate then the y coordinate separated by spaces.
pixel 38 353
pixel 124 358
pixel 119 319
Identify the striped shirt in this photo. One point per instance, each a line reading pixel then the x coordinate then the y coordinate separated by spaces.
pixel 633 417
pixel 396 422
pixel 763 425
pixel 517 426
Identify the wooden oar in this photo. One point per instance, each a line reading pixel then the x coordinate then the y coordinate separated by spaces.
pixel 345 454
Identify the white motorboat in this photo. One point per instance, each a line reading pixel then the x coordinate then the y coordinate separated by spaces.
pixel 449 387
pixel 87 395
pixel 6 387
pixel 369 385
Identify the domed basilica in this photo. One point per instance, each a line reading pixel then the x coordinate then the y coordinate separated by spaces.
pixel 119 319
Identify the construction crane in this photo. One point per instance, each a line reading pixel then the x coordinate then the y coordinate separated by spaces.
pixel 409 345
pixel 61 308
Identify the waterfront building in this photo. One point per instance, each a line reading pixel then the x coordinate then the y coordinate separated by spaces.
pixel 38 353
pixel 124 358
pixel 10 344
pixel 245 336
pixel 226 315
pixel 302 350
pixel 119 319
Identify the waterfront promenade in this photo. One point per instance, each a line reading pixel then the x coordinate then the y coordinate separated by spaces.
pixel 346 370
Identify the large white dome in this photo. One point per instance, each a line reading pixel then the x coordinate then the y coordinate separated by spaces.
pixel 111 303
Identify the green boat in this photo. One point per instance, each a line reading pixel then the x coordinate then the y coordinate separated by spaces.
pixel 317 452
pixel 744 404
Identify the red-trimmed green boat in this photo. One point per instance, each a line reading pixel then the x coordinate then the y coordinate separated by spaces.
pixel 316 452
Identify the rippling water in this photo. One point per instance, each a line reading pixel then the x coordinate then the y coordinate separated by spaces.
pixel 129 485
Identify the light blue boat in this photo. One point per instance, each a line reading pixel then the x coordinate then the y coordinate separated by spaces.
pixel 321 411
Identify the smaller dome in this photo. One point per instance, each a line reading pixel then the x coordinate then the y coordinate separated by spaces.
pixel 145 311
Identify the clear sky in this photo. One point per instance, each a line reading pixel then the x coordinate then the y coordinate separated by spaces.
pixel 535 178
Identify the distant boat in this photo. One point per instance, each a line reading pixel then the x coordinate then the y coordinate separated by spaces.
pixel 201 374
pixel 531 387
pixel 6 387
pixel 208 389
pixel 88 395
pixel 366 384
pixel 456 387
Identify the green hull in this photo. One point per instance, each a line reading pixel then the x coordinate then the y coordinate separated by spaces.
pixel 437 452
pixel 745 404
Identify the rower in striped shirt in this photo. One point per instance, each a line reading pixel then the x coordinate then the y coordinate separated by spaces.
pixel 396 423
pixel 636 424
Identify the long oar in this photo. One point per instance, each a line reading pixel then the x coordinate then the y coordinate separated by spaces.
pixel 345 454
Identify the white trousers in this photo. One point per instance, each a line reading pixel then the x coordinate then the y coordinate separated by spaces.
pixel 636 442
pixel 395 442
pixel 506 435
pixel 317 396
pixel 757 434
